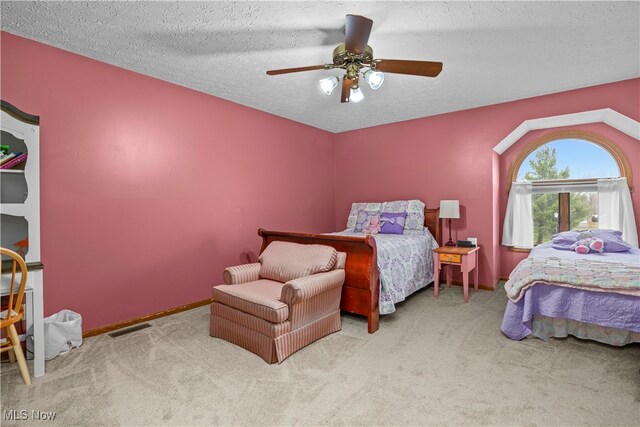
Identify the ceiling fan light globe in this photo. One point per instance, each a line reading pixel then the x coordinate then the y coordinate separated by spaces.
pixel 356 94
pixel 374 78
pixel 329 84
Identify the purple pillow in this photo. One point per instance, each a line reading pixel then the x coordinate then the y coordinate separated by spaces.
pixel 392 223
pixel 612 240
pixel 563 241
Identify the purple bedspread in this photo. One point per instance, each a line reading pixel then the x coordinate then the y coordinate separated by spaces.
pixel 600 308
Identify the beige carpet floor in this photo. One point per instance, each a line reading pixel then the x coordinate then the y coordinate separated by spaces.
pixel 433 362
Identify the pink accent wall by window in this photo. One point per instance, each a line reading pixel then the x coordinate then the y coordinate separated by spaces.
pixel 431 159
pixel 629 145
pixel 149 189
pixel 451 156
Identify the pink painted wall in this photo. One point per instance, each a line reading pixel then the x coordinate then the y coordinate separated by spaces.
pixel 451 156
pixel 429 159
pixel 149 189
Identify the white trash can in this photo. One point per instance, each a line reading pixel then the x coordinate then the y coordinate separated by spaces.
pixel 62 332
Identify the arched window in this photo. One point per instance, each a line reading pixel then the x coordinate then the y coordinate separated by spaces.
pixel 563 168
pixel 568 159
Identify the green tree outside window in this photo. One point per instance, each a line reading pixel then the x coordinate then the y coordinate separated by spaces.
pixel 545 206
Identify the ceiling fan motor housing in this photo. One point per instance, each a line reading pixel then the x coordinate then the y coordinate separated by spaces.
pixel 342 56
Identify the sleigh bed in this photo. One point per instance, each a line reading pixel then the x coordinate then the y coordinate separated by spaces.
pixel 361 290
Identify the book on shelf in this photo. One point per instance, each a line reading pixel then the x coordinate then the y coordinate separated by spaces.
pixel 6 157
pixel 15 161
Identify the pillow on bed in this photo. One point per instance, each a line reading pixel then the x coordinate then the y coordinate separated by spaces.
pixel 356 208
pixel 612 239
pixel 363 218
pixel 563 241
pixel 414 222
pixel 392 223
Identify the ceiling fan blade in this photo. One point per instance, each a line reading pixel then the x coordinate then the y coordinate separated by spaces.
pixel 295 70
pixel 346 88
pixel 416 68
pixel 357 31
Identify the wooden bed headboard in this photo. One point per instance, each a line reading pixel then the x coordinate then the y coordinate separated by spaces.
pixel 432 222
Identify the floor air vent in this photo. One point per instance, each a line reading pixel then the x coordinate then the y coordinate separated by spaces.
pixel 129 330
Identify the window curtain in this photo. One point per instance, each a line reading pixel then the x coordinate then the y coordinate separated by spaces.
pixel 518 221
pixel 615 210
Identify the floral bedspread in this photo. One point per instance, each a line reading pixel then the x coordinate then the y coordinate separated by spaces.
pixel 405 265
pixel 588 274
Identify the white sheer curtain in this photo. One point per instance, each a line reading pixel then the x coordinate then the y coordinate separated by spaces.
pixel 615 210
pixel 518 221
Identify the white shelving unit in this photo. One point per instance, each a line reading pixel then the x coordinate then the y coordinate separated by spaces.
pixel 20 213
pixel 29 133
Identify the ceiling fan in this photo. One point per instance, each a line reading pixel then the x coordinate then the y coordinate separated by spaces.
pixel 353 55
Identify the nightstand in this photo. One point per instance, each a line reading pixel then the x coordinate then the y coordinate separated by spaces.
pixel 466 258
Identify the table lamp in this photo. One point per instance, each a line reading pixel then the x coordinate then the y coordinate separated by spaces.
pixel 449 209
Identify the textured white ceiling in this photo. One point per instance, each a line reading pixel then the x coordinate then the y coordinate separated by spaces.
pixel 492 51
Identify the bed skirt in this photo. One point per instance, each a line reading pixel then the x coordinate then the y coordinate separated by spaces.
pixel 606 317
pixel 555 327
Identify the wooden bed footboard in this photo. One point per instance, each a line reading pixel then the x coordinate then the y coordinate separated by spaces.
pixel 361 290
pixel 360 293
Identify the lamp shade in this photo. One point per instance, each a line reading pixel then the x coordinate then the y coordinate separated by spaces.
pixel 356 94
pixel 329 84
pixel 449 209
pixel 374 78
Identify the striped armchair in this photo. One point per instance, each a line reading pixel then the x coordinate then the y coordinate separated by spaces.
pixel 281 304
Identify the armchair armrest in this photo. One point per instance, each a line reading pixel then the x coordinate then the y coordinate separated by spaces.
pixel 241 274
pixel 298 290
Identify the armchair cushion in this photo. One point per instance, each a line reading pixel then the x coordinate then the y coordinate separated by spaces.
pixel 298 290
pixel 285 261
pixel 241 274
pixel 260 298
